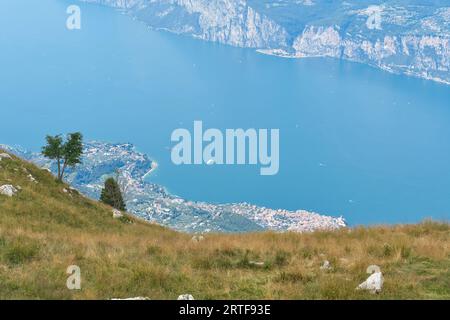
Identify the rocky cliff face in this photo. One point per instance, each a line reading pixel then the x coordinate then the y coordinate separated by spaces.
pixel 401 36
pixel 400 45
pixel 230 22
pixel 151 202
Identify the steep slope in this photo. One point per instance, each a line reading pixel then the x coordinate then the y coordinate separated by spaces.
pixel 44 229
pixel 152 202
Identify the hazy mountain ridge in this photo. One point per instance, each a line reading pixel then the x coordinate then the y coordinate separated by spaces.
pixel 153 203
pixel 406 37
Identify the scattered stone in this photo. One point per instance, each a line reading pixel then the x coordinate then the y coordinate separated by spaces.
pixel 257 263
pixel 8 190
pixel 373 284
pixel 4 156
pixel 65 190
pixel 19 188
pixel 326 265
pixel 185 297
pixel 117 214
pixel 32 179
pixel 73 190
pixel 197 239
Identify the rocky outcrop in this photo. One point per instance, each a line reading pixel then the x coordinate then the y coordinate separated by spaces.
pixel 326 265
pixel 31 178
pixel 373 284
pixel 422 56
pixel 4 156
pixel 197 239
pixel 318 42
pixel 117 214
pixel 232 22
pixel 8 190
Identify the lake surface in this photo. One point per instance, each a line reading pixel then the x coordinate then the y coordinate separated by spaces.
pixel 354 141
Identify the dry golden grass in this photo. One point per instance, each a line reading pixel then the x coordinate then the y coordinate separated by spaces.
pixel 44 230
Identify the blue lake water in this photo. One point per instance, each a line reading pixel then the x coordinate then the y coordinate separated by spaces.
pixel 354 140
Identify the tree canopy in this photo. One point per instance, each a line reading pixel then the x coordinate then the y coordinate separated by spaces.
pixel 112 195
pixel 66 153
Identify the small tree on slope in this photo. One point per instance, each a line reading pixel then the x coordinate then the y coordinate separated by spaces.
pixel 66 154
pixel 111 195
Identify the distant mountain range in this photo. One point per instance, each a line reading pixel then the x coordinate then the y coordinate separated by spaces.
pixel 409 37
pixel 153 203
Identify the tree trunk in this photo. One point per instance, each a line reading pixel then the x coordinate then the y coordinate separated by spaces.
pixel 63 169
pixel 59 169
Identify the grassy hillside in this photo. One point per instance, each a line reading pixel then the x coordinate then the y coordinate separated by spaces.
pixel 43 230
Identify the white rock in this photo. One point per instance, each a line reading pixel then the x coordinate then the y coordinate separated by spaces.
pixel 4 156
pixel 8 190
pixel 257 263
pixel 31 178
pixel 185 297
pixel 65 190
pixel 117 214
pixel 197 239
pixel 326 265
pixel 374 283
